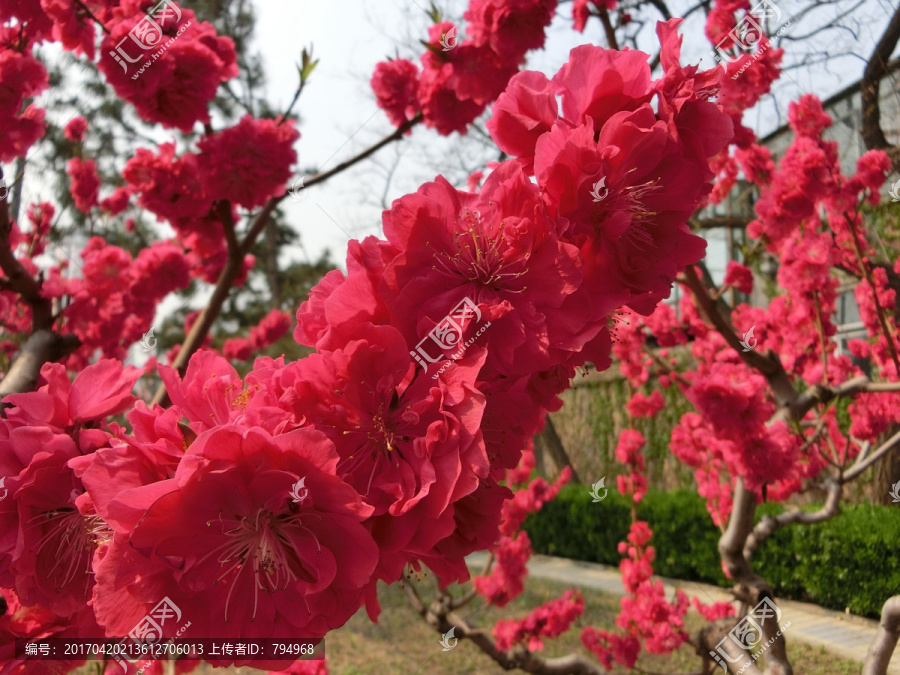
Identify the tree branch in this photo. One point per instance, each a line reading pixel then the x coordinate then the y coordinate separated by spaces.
pixel 43 346
pixel 608 29
pixel 876 69
pixel 234 265
pixel 817 394
pixel 18 278
pixel 517 657
pixel 720 221
pixel 769 365
pixel 556 449
pixel 395 136
pixel 864 462
pixel 882 648
pixel 765 527
pixel 731 548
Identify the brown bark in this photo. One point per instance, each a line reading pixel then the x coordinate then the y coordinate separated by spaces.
pixel 882 648
pixel 555 448
pixel 42 347
pixel 876 69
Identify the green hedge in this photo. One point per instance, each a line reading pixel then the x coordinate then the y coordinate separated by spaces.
pixel 851 561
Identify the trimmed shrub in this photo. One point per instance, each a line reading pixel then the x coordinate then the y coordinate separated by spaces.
pixel 851 561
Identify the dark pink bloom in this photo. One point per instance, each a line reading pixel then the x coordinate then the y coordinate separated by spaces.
pixel 523 112
pixel 100 390
pixel 645 406
pixel 409 444
pixel 117 202
pixel 254 536
pixel 174 89
pixel 339 304
pixel 551 619
pixel 85 187
pixel 23 76
pixel 597 83
pixel 53 542
pixel 168 186
pixel 501 251
pixel 807 117
pixel 509 28
pixel 739 276
pixel 394 83
pixel 75 129
pixel 733 399
pixel 248 163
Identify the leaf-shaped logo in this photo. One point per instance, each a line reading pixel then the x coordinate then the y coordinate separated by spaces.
pixel 597 487
pixel 448 40
pixel 596 191
pixel 448 641
pixel 748 342
pixel 895 492
pixel 148 341
pixel 299 492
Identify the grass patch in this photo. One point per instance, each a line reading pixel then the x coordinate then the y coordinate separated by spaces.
pixel 402 643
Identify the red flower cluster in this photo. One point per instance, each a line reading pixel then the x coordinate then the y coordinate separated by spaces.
pixel 168 78
pixel 271 505
pixel 621 178
pixel 246 165
pixel 272 327
pixel 76 129
pixel 23 77
pixel 85 186
pixel 551 619
pixel 116 290
pixel 460 77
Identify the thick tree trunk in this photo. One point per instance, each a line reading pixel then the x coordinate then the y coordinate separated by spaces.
pixel 42 347
pixel 882 648
pixel 555 448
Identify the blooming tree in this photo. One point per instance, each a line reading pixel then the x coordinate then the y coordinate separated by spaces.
pixel 269 504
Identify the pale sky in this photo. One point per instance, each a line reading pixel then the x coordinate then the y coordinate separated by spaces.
pixel 339 116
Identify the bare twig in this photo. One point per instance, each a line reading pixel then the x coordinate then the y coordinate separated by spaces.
pixel 768 524
pixel 396 135
pixel 235 262
pixel 870 279
pixel 608 29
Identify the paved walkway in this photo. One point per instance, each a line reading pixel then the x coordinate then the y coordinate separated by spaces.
pixel 845 635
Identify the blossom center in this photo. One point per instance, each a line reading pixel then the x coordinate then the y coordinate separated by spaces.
pixel 478 255
pixel 260 543
pixel 69 539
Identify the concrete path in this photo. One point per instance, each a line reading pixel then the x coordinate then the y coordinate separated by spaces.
pixel 845 635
